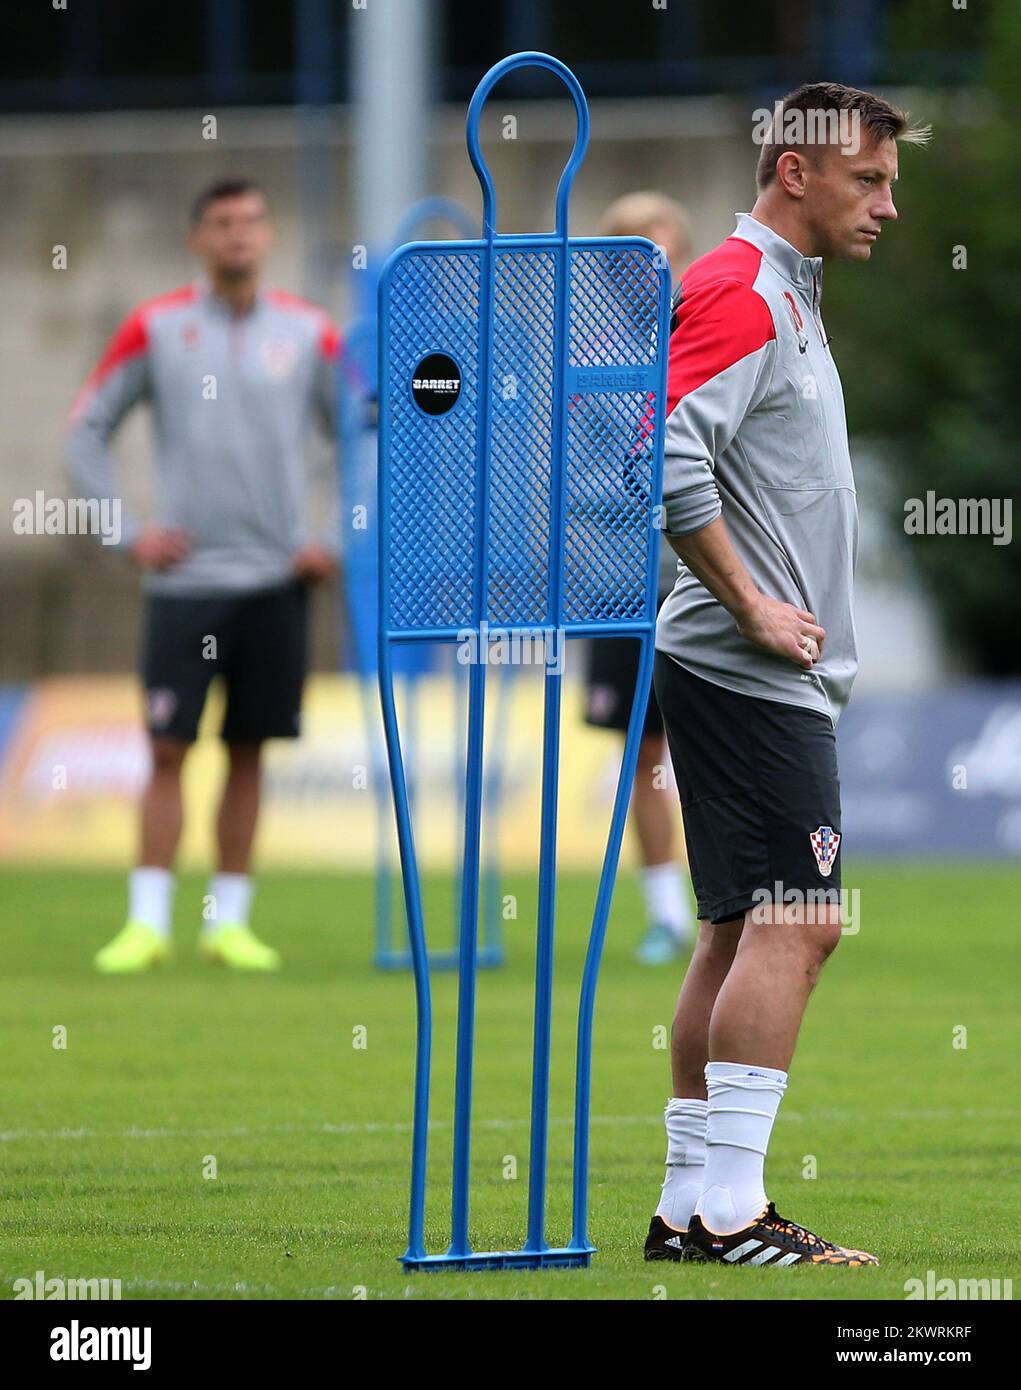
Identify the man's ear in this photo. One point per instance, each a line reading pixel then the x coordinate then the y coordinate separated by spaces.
pixel 790 173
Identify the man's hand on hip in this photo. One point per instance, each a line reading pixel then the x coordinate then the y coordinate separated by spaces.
pixel 314 563
pixel 783 629
pixel 790 632
pixel 160 548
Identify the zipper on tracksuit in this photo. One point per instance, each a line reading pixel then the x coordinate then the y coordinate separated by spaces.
pixel 815 314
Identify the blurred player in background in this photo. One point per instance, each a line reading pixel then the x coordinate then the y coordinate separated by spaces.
pixel 233 373
pixel 613 661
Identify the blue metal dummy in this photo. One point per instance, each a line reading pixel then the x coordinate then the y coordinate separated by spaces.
pixel 522 399
pixel 357 414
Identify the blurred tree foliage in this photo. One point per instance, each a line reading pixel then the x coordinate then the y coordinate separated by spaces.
pixel 931 354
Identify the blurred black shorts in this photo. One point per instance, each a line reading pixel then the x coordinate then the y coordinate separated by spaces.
pixel 610 678
pixel 759 790
pixel 256 642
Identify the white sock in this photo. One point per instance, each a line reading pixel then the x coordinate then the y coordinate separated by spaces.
pixel 150 895
pixel 743 1101
pixel 231 896
pixel 685 1161
pixel 667 898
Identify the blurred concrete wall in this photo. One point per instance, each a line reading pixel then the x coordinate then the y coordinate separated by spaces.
pixel 115 189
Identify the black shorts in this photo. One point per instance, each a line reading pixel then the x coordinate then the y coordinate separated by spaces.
pixel 255 641
pixel 610 685
pixel 760 795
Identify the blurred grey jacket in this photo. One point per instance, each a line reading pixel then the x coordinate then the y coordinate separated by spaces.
pixel 232 397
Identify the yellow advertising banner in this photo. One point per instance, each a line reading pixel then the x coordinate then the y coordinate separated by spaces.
pixel 76 760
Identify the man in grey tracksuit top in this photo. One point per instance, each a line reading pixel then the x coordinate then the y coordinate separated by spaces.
pixel 234 374
pixel 756 656
pixel 784 470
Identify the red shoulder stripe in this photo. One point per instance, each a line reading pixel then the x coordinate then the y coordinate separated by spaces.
pixel 329 341
pixel 285 300
pixel 184 294
pixel 733 259
pixel 719 321
pixel 129 340
pixel 329 335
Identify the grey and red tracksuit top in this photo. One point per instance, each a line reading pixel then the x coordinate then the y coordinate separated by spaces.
pixel 232 397
pixel 756 433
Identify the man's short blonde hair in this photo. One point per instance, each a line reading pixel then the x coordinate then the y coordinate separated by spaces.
pixel 643 214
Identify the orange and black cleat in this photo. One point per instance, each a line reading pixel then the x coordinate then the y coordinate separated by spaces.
pixel 769 1241
pixel 663 1242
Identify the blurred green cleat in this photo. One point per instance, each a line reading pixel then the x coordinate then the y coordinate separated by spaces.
pixel 135 948
pixel 237 946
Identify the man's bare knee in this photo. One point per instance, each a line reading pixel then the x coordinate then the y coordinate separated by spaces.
pixel 828 932
pixel 717 943
pixel 168 754
pixel 810 931
pixel 244 755
pixel 821 927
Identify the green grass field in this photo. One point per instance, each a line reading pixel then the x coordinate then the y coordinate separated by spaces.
pixel 103 1144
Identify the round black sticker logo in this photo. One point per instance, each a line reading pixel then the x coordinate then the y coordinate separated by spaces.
pixel 436 383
